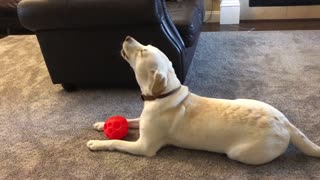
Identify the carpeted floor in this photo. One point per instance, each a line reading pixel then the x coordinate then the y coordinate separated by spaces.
pixel 44 130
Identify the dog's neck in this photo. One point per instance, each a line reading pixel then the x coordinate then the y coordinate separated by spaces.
pixel 173 85
pixel 152 98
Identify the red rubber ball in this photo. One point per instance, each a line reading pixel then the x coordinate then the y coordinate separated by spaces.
pixel 116 127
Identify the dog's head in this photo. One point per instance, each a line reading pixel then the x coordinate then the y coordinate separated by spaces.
pixel 153 70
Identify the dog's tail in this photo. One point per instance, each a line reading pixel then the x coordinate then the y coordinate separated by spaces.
pixel 298 139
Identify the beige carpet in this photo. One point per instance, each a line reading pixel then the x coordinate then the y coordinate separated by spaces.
pixel 43 130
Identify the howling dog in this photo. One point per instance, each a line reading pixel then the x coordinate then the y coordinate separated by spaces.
pixel 248 131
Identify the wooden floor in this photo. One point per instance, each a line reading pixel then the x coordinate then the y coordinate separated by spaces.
pixel 262 25
pixel 265 25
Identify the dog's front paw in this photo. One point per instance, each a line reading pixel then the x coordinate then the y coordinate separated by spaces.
pixel 99 126
pixel 94 145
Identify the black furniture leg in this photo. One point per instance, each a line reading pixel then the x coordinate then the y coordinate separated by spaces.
pixel 69 87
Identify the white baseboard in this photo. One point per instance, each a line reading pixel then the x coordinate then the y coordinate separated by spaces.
pixel 212 16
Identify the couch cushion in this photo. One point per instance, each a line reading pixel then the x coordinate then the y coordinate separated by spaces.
pixel 187 16
pixel 37 15
pixel 8 8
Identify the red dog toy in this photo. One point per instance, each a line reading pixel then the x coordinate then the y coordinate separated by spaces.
pixel 116 127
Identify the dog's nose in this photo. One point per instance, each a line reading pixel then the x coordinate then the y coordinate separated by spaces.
pixel 128 38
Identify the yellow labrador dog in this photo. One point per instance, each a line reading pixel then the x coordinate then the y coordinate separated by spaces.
pixel 246 130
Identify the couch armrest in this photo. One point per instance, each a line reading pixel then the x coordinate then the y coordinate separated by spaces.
pixel 45 15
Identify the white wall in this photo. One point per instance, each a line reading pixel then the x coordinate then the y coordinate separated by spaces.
pixel 283 12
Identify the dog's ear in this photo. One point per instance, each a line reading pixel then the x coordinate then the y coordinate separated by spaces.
pixel 158 83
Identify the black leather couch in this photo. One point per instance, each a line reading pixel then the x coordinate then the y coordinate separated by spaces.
pixel 81 39
pixel 9 22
